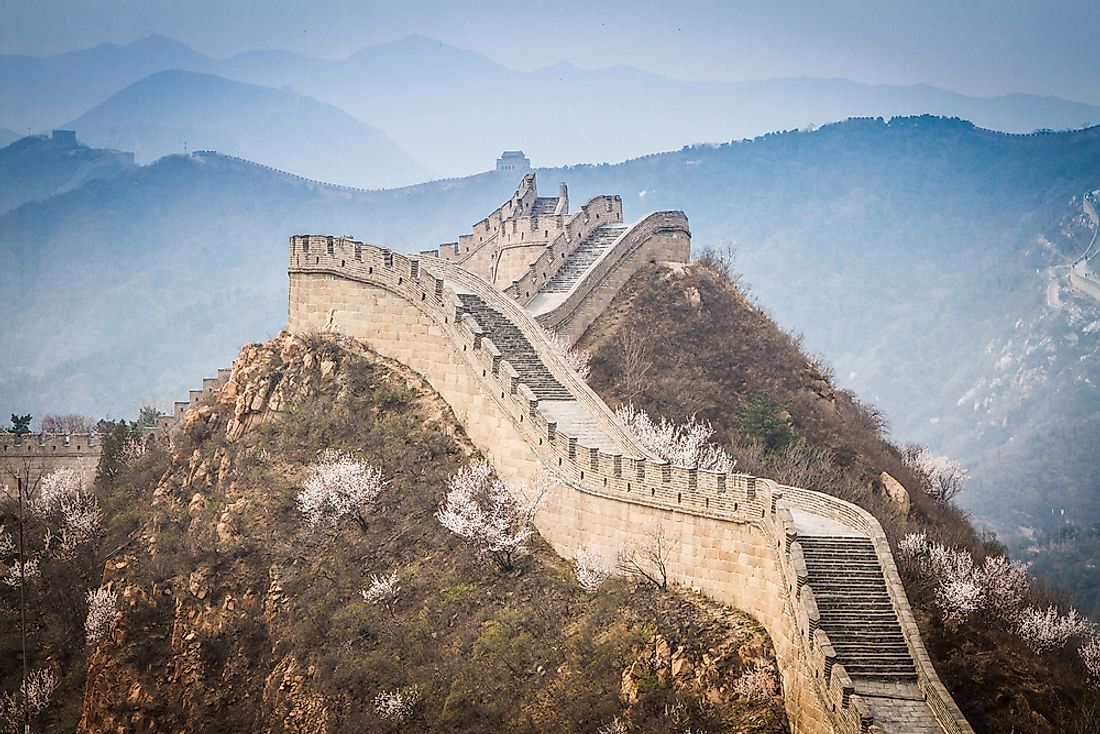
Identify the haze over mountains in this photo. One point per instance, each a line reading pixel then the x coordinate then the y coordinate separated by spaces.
pixel 453 110
pixel 167 111
pixel 924 258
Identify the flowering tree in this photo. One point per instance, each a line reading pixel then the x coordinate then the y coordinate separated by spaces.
pixel 339 486
pixel 591 569
pixel 943 477
pixel 578 359
pixel 1046 629
pixel 756 684
pixel 397 706
pixel 1090 654
pixel 382 590
pixel 687 444
pixel 19 573
pixel 998 586
pixel 102 610
pixel 70 510
pixel 36 691
pixel 493 517
pixel 615 726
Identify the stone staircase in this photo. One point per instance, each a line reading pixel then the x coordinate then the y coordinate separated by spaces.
pixel 516 349
pixel 855 607
pixel 587 252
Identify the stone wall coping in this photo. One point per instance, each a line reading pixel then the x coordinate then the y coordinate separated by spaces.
pixel 632 476
pixel 577 229
pixel 623 246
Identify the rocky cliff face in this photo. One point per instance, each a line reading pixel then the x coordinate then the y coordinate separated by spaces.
pixel 237 616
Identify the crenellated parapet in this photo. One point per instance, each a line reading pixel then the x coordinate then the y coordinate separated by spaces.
pixel 37 445
pixel 502 244
pixel 657 237
pixel 740 538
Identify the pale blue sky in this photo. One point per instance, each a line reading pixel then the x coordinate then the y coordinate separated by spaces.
pixel 984 47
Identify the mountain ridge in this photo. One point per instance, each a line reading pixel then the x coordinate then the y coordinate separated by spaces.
pixel 159 114
pixel 406 86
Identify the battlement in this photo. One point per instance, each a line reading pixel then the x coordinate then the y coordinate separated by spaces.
pixel 414 309
pixel 38 445
pixel 502 244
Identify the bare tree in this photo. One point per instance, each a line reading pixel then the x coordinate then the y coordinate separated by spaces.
pixel 68 424
pixel 647 559
pixel 634 363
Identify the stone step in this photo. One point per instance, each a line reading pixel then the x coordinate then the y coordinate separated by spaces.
pixel 516 349
pixel 586 253
pixel 855 607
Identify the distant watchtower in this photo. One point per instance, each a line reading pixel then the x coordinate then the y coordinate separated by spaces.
pixel 66 138
pixel 513 161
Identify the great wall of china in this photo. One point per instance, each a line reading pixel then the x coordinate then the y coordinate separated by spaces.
pixel 471 317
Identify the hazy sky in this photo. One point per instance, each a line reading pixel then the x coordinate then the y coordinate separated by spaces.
pixel 985 47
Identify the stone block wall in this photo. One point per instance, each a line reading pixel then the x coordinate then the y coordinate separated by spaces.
pixel 659 237
pixel 732 536
pixel 36 455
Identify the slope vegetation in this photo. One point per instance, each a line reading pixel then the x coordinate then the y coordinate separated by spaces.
pixel 35 168
pixel 238 616
pixel 721 358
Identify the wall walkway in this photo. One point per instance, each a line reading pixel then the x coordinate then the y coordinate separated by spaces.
pixel 736 537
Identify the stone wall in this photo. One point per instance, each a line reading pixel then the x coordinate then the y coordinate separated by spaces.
pixel 659 237
pixel 36 455
pixel 732 535
pixel 502 246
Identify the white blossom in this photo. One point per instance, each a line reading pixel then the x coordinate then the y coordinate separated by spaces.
pixel 495 518
pixel 102 610
pixel 7 543
pixel 383 589
pixel 397 705
pixel 615 726
pixel 1045 629
pixel 958 598
pixel 55 487
pixel 998 585
pixel 912 548
pixel 756 684
pixel 339 486
pixel 591 568
pixel 687 444
pixel 38 688
pixel 944 477
pixel 30 571
pixel 578 359
pixel 1090 655
pixel 65 500
pixel 1006 586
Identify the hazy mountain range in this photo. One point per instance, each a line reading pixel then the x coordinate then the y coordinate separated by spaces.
pixel 169 110
pixel 454 110
pixel 39 167
pixel 924 258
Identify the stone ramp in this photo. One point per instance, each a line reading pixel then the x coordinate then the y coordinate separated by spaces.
pixel 855 607
pixel 581 259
